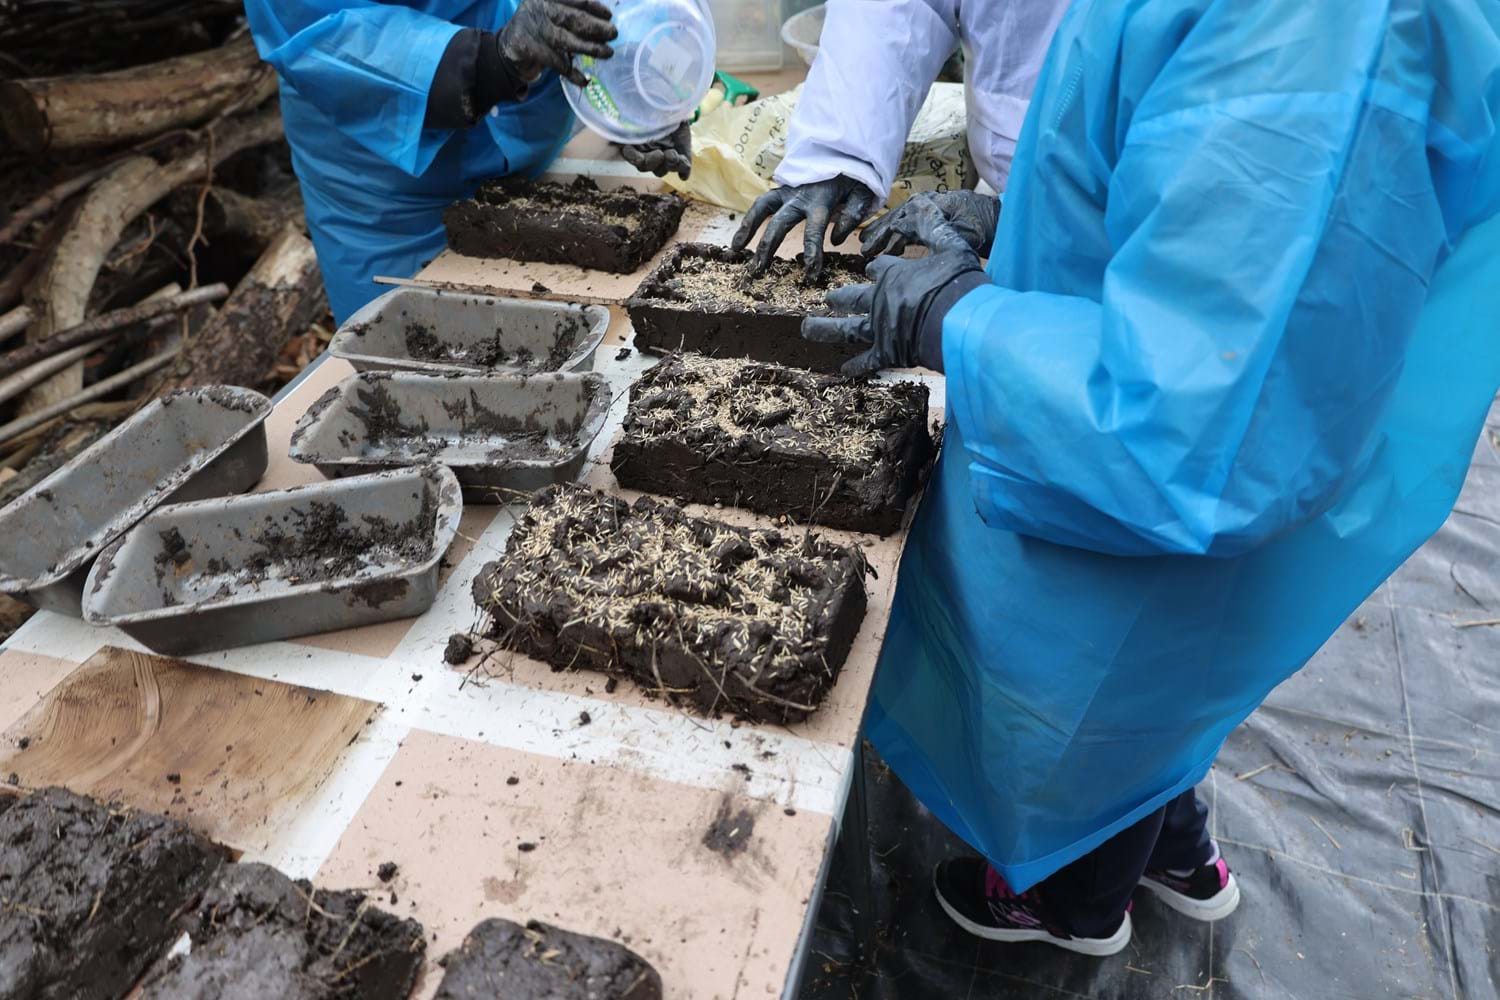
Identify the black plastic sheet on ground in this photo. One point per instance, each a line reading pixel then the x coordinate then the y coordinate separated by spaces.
pixel 1359 808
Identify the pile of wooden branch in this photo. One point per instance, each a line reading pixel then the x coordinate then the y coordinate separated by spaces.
pixel 151 231
pixel 51 37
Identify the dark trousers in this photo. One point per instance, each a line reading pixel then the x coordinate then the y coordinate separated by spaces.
pixel 1089 896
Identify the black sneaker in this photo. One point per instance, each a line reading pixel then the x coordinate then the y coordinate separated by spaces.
pixel 1208 892
pixel 979 901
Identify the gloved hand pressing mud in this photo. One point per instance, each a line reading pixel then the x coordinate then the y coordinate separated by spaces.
pixel 975 217
pixel 816 203
pixel 672 154
pixel 900 315
pixel 547 34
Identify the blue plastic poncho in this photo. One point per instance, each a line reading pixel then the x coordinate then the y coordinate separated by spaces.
pixel 355 76
pixel 1243 332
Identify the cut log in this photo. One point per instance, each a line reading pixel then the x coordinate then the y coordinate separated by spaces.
pixel 73 112
pixel 280 296
pixel 59 295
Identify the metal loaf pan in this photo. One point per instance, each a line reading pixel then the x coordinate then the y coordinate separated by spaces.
pixel 234 572
pixel 498 433
pixel 429 330
pixel 196 443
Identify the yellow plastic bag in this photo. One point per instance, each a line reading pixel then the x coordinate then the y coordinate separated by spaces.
pixel 737 149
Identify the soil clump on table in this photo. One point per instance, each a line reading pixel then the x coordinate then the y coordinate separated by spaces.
pixel 90 892
pixel 728 619
pixel 256 934
pixel 703 298
pixel 499 958
pixel 460 647
pixel 548 222
pixel 824 449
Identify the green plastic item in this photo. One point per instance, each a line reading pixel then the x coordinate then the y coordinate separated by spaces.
pixel 726 89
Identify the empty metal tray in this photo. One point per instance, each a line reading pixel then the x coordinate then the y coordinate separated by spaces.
pixel 233 572
pixel 498 433
pixel 428 330
pixel 186 445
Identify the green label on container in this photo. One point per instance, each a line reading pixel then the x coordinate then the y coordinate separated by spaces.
pixel 596 93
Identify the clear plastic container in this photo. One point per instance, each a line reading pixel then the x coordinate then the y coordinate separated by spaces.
pixel 803 30
pixel 662 67
pixel 749 33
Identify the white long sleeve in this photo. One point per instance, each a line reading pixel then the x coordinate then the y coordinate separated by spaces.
pixel 876 61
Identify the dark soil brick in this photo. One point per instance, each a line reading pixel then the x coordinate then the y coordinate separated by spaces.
pixel 256 934
pixel 89 894
pixel 538 962
pixel 817 448
pixel 617 230
pixel 752 622
pixel 702 298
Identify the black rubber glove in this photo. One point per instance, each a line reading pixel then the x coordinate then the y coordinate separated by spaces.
pixel 900 316
pixel 975 217
pixel 816 202
pixel 547 34
pixel 672 154
pixel 471 78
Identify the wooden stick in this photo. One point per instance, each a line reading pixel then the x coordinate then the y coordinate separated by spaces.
pixel 50 200
pixel 14 283
pixel 13 385
pixel 24 379
pixel 504 292
pixel 14 322
pixel 27 444
pixel 112 323
pixel 103 387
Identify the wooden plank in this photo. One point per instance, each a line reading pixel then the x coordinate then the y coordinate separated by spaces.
pixel 234 756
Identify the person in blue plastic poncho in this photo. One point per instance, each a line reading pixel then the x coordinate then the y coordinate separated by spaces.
pixel 395 110
pixel 1236 342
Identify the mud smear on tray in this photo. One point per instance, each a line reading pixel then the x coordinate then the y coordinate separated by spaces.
pixel 728 619
pixel 824 449
pixel 316 543
pixel 319 543
pixel 379 410
pixel 423 343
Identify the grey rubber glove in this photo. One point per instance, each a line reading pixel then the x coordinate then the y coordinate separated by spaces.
pixel 547 34
pixel 900 315
pixel 672 154
pixel 817 203
pixel 975 217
